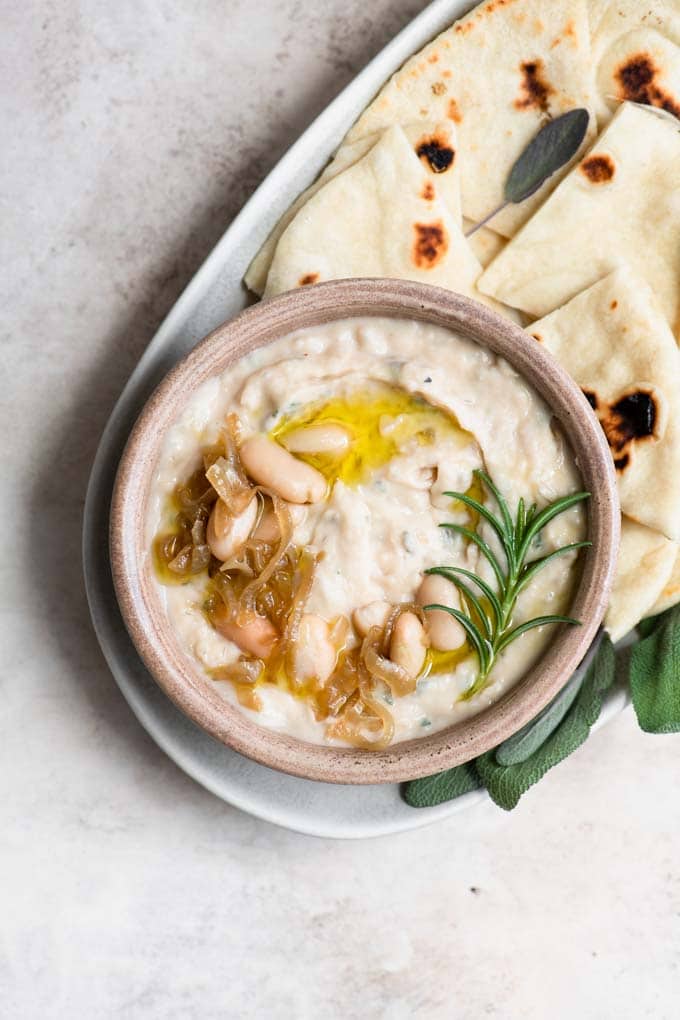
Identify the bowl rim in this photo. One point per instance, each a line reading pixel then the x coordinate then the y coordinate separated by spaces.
pixel 138 592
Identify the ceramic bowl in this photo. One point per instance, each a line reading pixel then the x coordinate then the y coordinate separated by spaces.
pixel 140 595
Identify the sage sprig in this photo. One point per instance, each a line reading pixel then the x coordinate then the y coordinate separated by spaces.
pixel 547 152
pixel 507 783
pixel 522 745
pixel 653 666
pixel 486 614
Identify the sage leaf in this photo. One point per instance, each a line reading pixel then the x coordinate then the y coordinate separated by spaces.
pixel 505 784
pixel 654 675
pixel 443 786
pixel 554 146
pixel 521 745
pixel 648 626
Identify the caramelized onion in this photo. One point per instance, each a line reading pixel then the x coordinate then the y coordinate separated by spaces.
pixel 301 580
pixel 198 531
pixel 226 474
pixel 244 675
pixel 196 493
pixel 247 607
pixel 396 678
pixel 243 671
pixel 339 688
pixel 248 697
pixel 190 560
pixel 379 729
pixel 306 571
pixel 338 631
pixel 239 564
pixel 230 483
pixel 365 723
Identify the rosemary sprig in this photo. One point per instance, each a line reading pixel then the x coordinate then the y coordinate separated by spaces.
pixel 487 619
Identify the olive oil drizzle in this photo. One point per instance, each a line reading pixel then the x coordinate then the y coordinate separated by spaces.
pixel 381 419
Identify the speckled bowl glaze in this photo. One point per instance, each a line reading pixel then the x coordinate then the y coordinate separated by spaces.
pixel 139 594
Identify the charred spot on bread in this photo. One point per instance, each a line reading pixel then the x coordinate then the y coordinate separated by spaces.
pixel 535 90
pixel 632 419
pixel 638 81
pixel 430 244
pixel 599 168
pixel 435 153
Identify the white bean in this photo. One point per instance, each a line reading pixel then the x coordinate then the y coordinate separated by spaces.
pixel 226 534
pixel 319 438
pixel 315 654
pixel 408 644
pixel 268 530
pixel 374 614
pixel 272 466
pixel 445 633
pixel 255 638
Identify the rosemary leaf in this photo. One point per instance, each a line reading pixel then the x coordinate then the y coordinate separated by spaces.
pixel 539 621
pixel 450 572
pixel 533 568
pixel 472 599
pixel 490 629
pixel 483 547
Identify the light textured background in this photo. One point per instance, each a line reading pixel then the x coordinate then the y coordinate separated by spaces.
pixel 132 133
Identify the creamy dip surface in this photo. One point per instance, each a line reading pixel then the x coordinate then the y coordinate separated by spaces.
pixel 449 406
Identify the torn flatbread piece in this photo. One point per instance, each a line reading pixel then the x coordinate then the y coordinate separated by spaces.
pixel 646 560
pixel 436 147
pixel 670 596
pixel 381 217
pixel 615 343
pixel 498 74
pixel 620 204
pixel 485 243
pixel 636 54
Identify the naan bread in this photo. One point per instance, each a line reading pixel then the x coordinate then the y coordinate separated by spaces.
pixel 485 243
pixel 614 341
pixel 497 73
pixel 670 596
pixel 434 144
pixel 620 204
pixel 636 54
pixel 646 560
pixel 381 217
